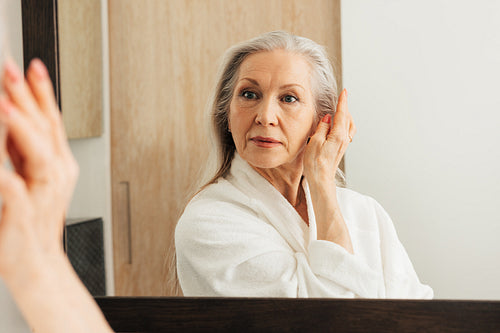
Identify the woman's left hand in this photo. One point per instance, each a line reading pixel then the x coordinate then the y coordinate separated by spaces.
pixel 322 157
pixel 329 143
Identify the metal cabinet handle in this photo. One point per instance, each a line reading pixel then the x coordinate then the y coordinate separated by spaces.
pixel 126 186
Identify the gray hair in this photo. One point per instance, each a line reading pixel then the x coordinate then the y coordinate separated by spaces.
pixel 322 80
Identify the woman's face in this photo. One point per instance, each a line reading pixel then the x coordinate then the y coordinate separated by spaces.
pixel 272 112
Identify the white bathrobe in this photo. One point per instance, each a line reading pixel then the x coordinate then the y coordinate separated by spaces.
pixel 241 237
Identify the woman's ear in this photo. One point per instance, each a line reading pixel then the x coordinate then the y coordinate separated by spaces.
pixel 315 123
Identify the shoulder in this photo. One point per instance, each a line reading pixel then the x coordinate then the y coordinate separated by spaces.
pixel 220 198
pixel 350 199
pixel 361 210
pixel 220 207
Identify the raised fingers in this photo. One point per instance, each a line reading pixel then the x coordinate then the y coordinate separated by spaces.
pixel 24 139
pixel 342 122
pixel 41 86
pixel 352 129
pixel 18 90
pixel 322 129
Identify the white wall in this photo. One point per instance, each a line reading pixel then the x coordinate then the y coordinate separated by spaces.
pixel 423 80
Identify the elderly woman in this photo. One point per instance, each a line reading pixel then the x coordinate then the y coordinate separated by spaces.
pixel 272 222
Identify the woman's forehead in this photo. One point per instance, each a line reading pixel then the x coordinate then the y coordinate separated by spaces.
pixel 278 65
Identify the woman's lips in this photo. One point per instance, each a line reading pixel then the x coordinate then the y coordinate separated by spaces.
pixel 263 142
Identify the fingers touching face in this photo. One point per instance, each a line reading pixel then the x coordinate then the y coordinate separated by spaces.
pixel 343 127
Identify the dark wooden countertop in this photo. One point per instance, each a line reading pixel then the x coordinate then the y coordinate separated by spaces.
pixel 164 314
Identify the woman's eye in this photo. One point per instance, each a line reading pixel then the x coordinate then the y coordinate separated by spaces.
pixel 289 99
pixel 249 95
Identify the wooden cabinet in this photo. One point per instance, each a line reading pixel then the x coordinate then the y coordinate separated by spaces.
pixel 80 67
pixel 163 60
pixel 66 36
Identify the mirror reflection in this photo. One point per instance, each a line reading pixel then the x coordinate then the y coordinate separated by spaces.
pixel 421 93
pixel 272 221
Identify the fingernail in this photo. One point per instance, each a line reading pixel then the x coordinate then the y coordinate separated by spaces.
pixel 39 68
pixel 345 92
pixel 327 118
pixel 11 70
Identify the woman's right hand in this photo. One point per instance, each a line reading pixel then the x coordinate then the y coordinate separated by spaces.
pixel 321 160
pixel 37 193
pixel 35 198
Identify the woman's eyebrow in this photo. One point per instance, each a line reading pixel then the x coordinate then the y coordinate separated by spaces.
pixel 288 85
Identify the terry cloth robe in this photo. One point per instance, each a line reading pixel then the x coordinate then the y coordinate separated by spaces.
pixel 241 237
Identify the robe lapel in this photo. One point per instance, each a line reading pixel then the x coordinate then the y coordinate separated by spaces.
pixel 271 205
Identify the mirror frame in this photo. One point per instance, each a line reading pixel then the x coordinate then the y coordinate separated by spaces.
pixel 148 314
pixel 40 37
pixel 163 314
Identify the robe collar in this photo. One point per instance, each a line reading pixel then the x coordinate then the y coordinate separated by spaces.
pixel 273 206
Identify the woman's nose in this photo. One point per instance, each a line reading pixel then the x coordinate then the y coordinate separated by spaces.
pixel 267 113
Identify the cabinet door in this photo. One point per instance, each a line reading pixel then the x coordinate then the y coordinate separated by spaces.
pixel 163 60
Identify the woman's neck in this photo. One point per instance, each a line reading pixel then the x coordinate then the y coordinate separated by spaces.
pixel 287 180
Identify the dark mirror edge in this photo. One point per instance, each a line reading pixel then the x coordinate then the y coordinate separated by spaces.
pixel 40 37
pixel 159 314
